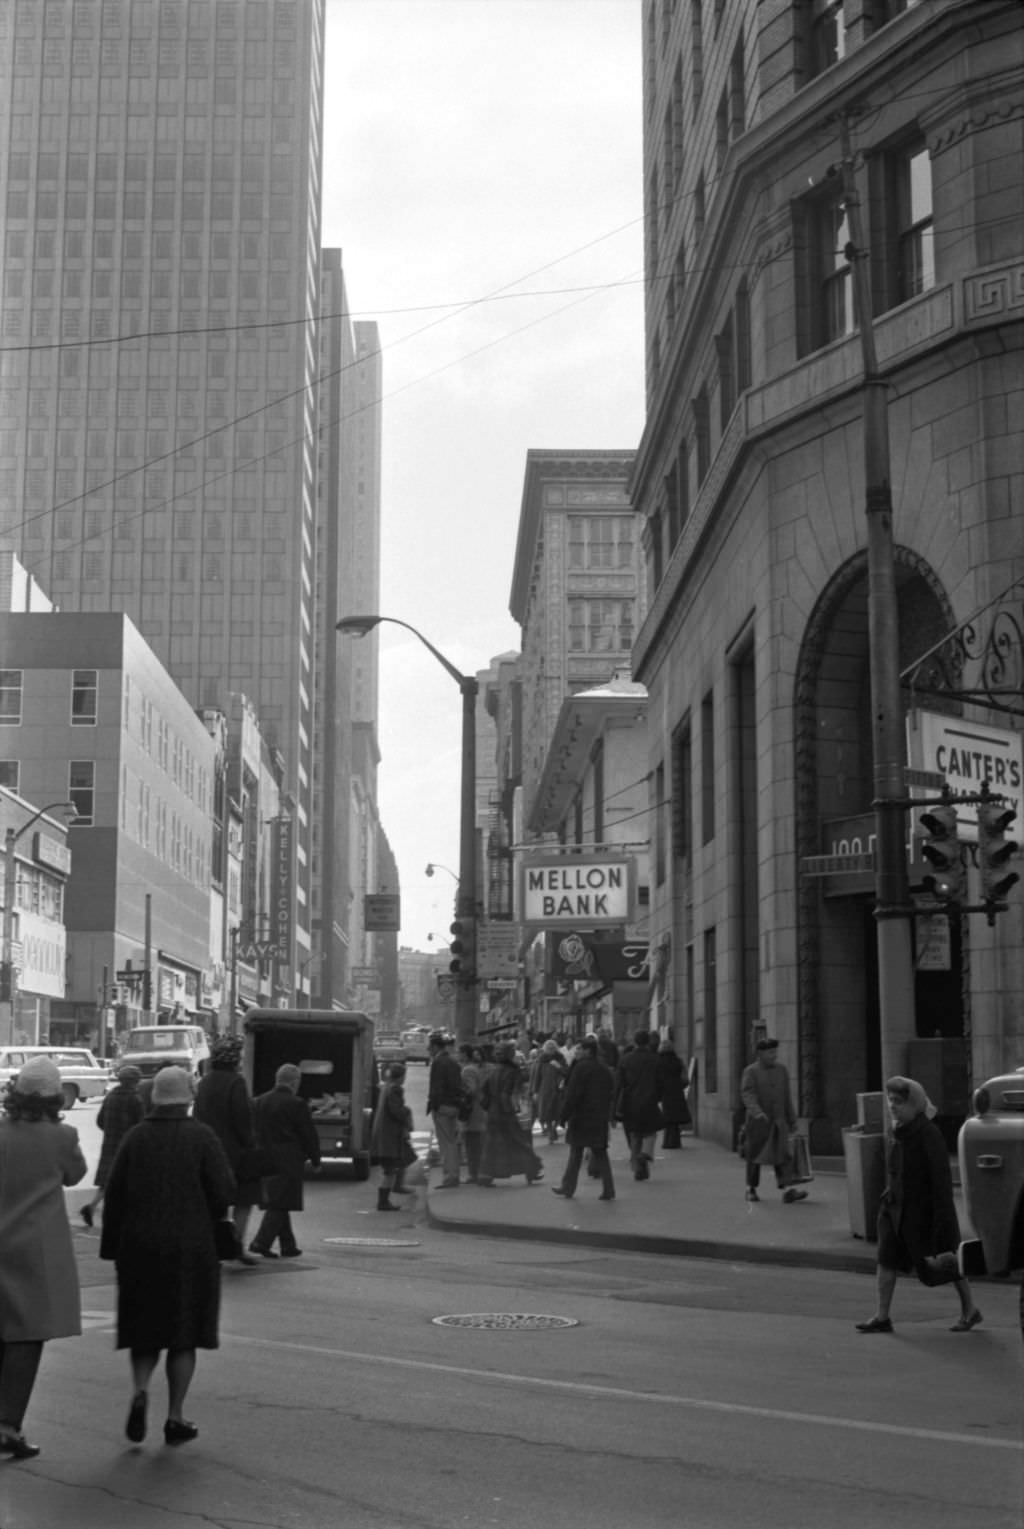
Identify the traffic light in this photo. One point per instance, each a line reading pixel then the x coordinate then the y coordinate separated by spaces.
pixel 941 849
pixel 995 849
pixel 462 948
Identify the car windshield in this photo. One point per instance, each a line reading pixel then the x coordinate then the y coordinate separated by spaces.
pixel 158 1040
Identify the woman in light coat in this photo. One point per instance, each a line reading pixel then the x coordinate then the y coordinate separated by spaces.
pixel 39 1296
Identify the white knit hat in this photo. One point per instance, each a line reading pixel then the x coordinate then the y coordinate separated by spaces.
pixel 39 1076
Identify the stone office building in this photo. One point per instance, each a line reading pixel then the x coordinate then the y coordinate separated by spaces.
pixel 751 477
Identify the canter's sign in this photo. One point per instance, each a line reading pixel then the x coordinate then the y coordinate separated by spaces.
pixel 582 891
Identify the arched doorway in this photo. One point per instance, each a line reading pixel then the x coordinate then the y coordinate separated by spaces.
pixel 837 986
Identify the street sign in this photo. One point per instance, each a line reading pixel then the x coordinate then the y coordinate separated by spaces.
pixel 366 975
pixel 837 865
pixel 260 950
pixel 497 949
pixel 129 976
pixel 382 912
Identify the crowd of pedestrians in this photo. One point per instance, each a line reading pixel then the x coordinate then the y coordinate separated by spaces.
pixel 486 1105
pixel 181 1162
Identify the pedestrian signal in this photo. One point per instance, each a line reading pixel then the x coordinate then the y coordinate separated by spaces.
pixel 941 849
pixel 995 850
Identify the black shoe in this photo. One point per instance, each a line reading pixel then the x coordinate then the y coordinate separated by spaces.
pixel 248 1259
pixel 17 1446
pixel 135 1427
pixel 254 1247
pixel 291 1253
pixel 791 1196
pixel 179 1432
pixel 87 1215
pixel 752 1194
pixel 874 1325
pixel 607 1197
pixel 558 1190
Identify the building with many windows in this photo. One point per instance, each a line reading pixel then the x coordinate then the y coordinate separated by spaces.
pixel 771 132
pixel 159 409
pixel 88 714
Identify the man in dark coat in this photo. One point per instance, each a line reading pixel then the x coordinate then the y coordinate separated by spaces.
pixel 285 1129
pixel 637 1102
pixel 586 1110
pixel 444 1092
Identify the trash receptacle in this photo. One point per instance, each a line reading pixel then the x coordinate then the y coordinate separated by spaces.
pixel 864 1152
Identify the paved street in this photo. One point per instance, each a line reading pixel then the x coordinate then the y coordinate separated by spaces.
pixel 707 1392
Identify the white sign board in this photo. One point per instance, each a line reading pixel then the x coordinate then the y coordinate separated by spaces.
pixel 966 754
pixel 581 891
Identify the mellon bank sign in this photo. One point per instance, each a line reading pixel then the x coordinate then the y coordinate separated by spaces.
pixel 578 891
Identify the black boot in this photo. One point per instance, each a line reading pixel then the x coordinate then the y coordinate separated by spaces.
pixel 383 1203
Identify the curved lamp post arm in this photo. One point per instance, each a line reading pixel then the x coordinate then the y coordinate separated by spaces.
pixel 466 899
pixel 360 626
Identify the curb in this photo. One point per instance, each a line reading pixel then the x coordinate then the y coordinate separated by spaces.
pixel 643 1242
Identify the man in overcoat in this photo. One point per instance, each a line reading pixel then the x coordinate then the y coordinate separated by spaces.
pixel 771 1118
pixel 586 1109
pixel 285 1129
pixel 637 1102
pixel 444 1092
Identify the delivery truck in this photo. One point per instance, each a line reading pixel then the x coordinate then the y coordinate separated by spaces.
pixel 333 1051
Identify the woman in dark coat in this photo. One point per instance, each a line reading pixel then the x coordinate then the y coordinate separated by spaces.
pixel 223 1104
pixel 390 1146
pixel 918 1231
pixel 169 1183
pixel 675 1111
pixel 121 1109
pixel 507 1145
pixel 39 1299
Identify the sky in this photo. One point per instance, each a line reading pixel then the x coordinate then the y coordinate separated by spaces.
pixel 483 179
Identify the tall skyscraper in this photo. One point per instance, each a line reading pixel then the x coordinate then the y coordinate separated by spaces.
pixel 159 339
pixel 345 818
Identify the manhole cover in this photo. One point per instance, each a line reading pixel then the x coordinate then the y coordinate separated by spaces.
pixel 505 1320
pixel 371 1242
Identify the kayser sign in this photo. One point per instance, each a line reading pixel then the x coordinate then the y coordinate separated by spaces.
pixel 578 891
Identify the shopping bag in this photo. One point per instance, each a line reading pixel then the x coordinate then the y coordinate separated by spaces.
pixel 800 1170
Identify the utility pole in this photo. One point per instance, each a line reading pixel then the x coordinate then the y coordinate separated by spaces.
pixel 888 737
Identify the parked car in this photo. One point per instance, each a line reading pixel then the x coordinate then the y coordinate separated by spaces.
pixel 82 1075
pixel 389 1048
pixel 150 1047
pixel 991 1152
pixel 414 1043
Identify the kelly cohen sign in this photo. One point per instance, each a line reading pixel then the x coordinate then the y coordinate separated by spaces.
pixel 581 891
pixel 967 754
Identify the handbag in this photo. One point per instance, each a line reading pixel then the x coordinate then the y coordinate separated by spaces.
pixel 227 1241
pixel 465 1105
pixel 800 1171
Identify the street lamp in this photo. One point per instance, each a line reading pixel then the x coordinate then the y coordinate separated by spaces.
pixel 435 865
pixel 465 902
pixel 11 837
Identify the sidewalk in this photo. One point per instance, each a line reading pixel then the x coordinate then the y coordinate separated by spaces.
pixel 692 1206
